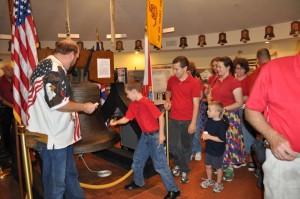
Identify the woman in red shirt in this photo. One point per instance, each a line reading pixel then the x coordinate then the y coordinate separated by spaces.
pixel 228 90
pixel 241 68
pixel 214 65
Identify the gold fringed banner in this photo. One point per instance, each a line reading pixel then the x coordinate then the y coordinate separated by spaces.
pixel 154 12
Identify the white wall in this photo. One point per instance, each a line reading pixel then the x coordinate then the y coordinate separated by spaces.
pixel 202 56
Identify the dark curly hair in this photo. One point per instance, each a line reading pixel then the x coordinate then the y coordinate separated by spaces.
pixel 242 62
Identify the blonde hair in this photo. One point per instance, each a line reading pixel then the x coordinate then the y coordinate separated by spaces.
pixel 219 107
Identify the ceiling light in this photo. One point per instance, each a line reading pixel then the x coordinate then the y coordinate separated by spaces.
pixel 168 30
pixel 117 36
pixel 73 36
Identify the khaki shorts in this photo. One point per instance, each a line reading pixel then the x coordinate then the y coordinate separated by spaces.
pixel 281 178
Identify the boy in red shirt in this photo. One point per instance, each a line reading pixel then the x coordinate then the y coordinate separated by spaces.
pixel 151 142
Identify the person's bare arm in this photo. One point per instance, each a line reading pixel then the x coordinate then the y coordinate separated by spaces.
pixel 123 120
pixel 78 107
pixel 280 147
pixel 161 121
pixel 208 94
pixel 167 104
pixel 6 103
pixel 207 136
pixel 192 126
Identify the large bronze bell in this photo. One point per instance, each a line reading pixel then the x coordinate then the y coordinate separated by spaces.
pixel 95 134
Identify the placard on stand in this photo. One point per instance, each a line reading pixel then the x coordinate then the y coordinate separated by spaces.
pixel 94 73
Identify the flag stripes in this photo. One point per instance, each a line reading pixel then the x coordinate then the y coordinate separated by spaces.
pixel 23 55
pixel 147 82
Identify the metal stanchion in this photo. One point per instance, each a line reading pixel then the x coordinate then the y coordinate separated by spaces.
pixel 20 174
pixel 26 161
pixel 167 138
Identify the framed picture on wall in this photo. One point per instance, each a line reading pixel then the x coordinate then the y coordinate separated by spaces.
pixel 122 75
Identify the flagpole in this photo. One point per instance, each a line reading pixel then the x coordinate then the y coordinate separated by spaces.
pixel 68 28
pixel 20 174
pixel 112 24
pixel 26 162
pixel 98 48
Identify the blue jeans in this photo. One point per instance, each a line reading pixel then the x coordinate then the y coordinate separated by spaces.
pixel 196 139
pixel 200 125
pixel 148 145
pixel 248 136
pixel 59 175
pixel 181 143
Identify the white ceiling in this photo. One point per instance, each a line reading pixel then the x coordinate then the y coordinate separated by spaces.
pixel 189 17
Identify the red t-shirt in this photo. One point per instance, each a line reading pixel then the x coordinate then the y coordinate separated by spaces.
pixel 6 89
pixel 183 93
pixel 254 76
pixel 222 90
pixel 145 113
pixel 245 85
pixel 276 93
pixel 211 80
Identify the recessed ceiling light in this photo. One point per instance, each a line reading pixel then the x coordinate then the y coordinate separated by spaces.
pixel 117 36
pixel 73 36
pixel 168 30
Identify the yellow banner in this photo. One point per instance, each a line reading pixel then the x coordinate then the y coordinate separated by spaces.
pixel 154 21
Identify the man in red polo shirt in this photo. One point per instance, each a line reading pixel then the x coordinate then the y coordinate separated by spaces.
pixel 273 109
pixel 263 56
pixel 7 99
pixel 183 99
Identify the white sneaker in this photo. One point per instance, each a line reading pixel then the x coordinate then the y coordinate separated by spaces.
pixel 184 178
pixel 218 187
pixel 198 156
pixel 192 156
pixel 237 166
pixel 176 171
pixel 207 183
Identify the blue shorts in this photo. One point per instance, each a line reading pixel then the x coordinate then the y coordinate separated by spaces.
pixel 215 162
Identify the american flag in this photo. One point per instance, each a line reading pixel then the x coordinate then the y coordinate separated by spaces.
pixel 23 55
pixel 102 93
pixel 147 82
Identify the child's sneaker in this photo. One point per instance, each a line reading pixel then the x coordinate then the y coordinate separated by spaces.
pixel 229 175
pixel 198 156
pixel 184 178
pixel 218 187
pixel 224 168
pixel 207 183
pixel 251 166
pixel 192 156
pixel 237 166
pixel 176 171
